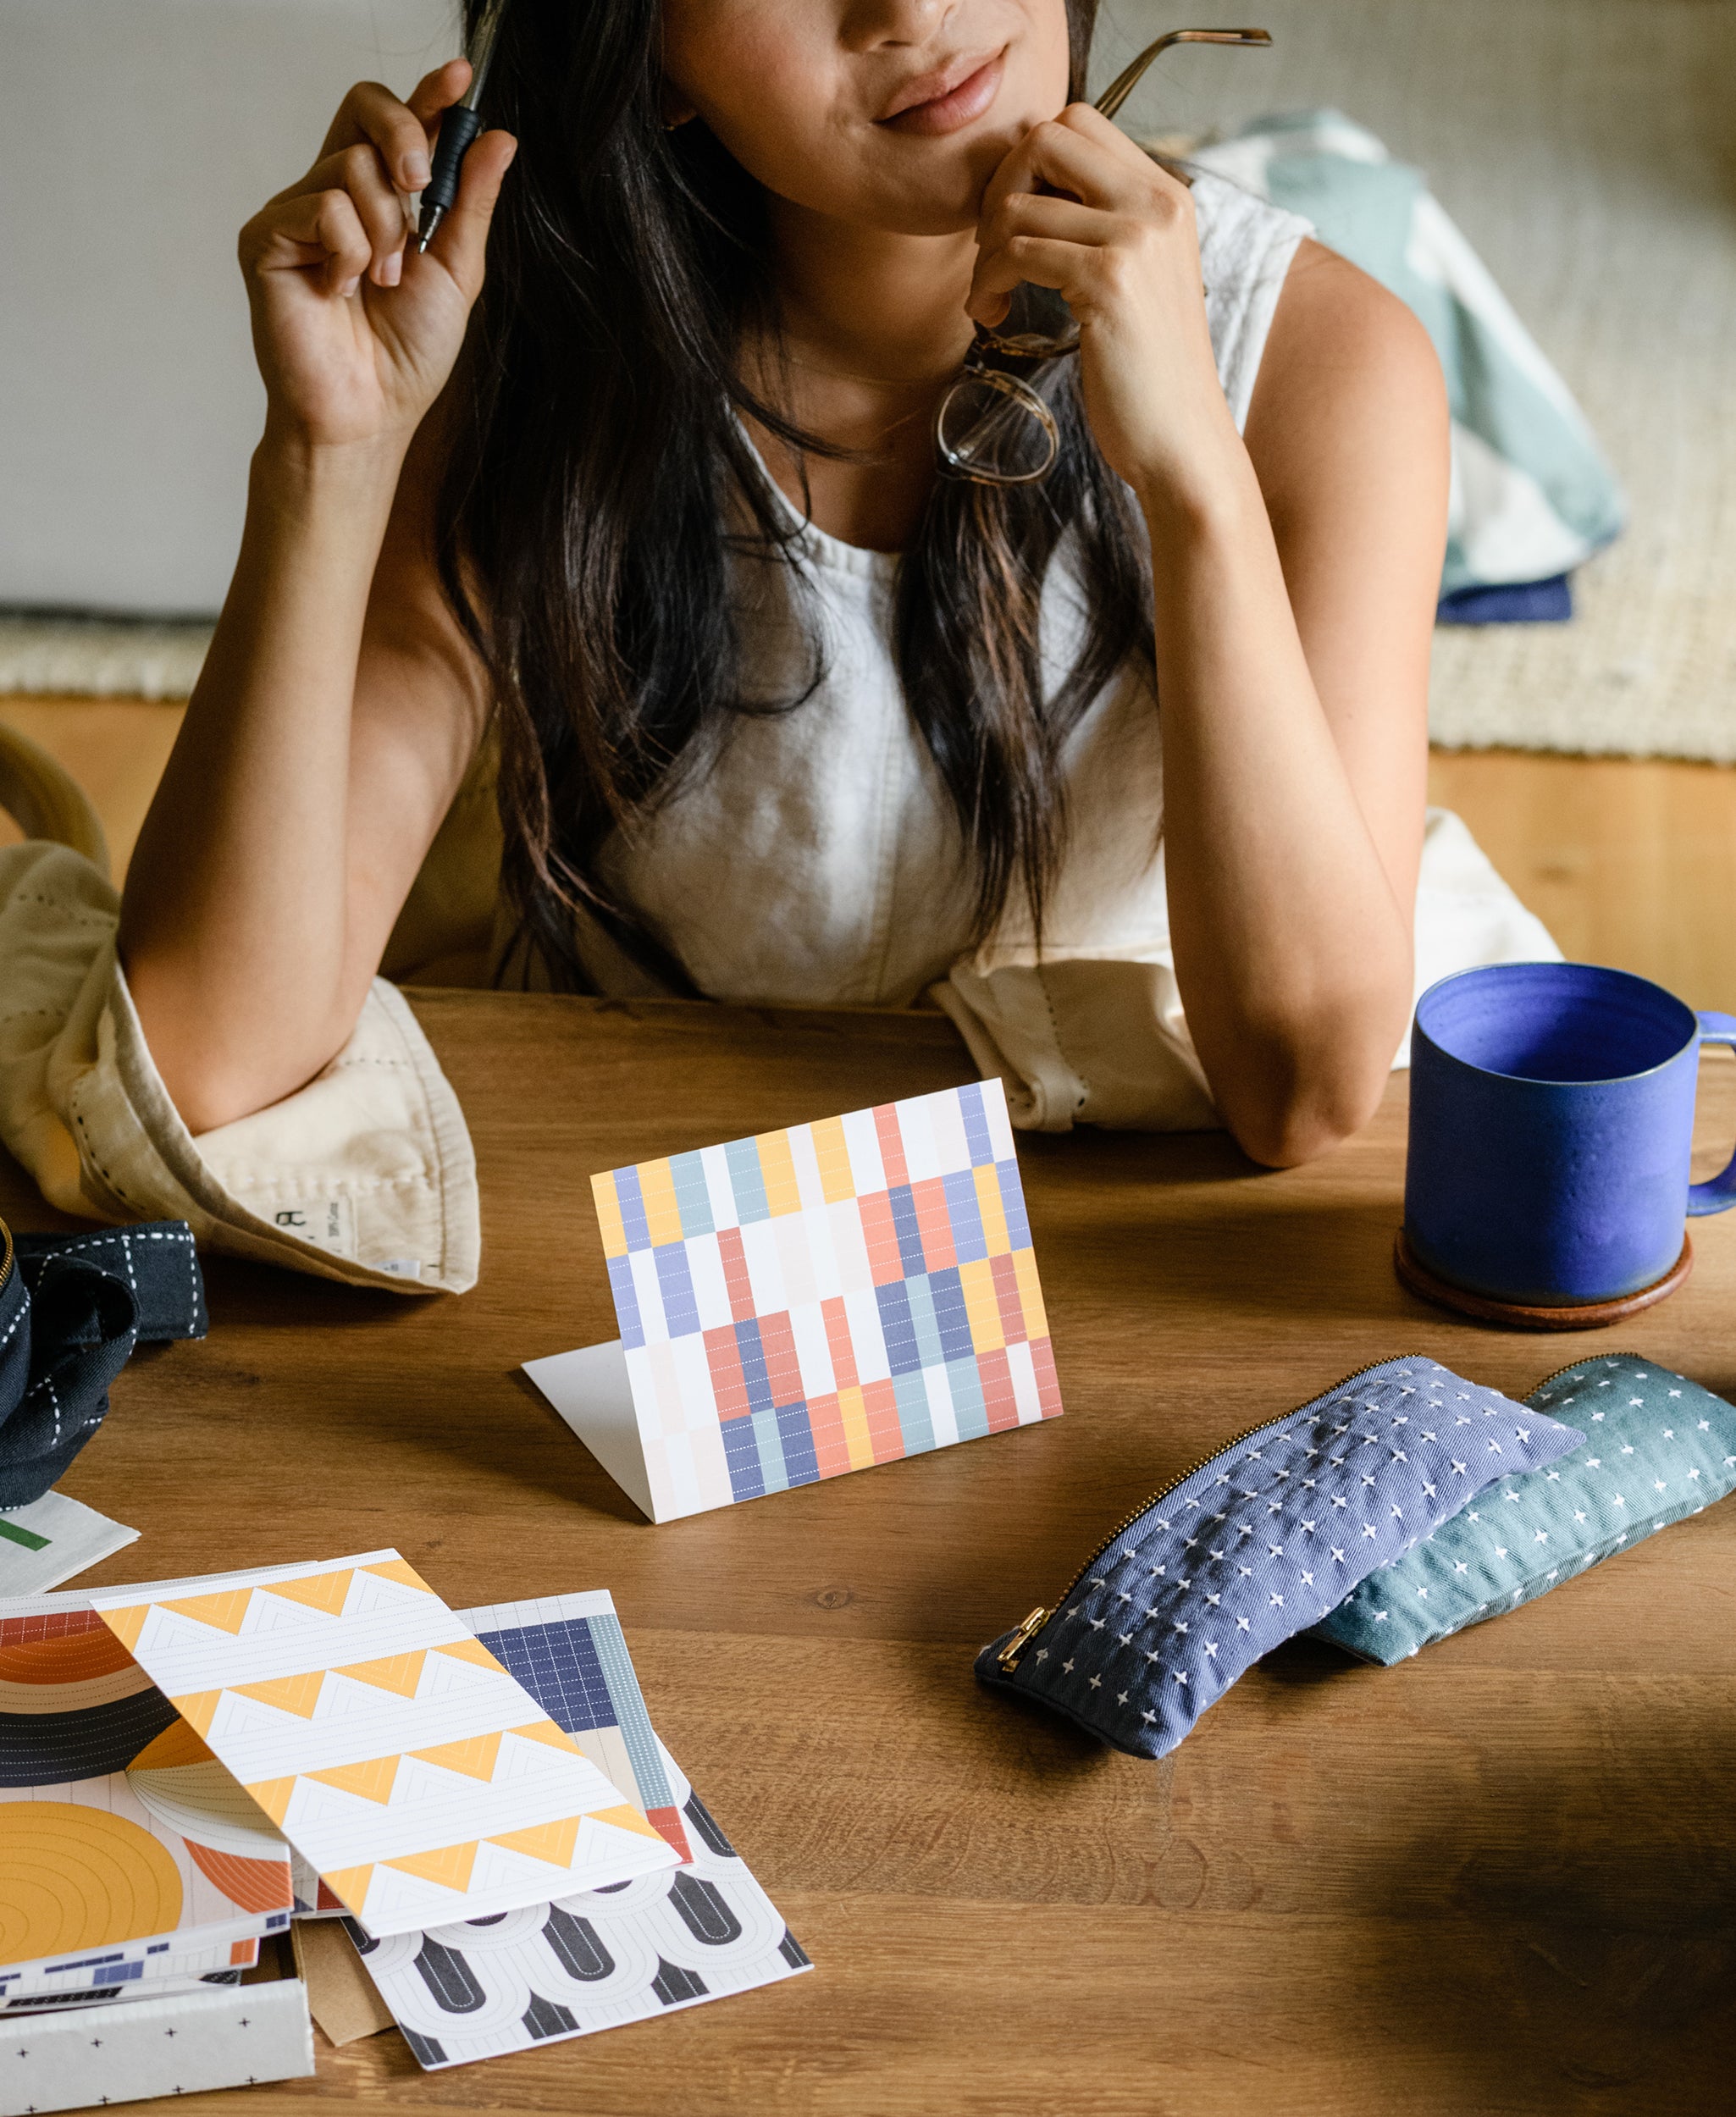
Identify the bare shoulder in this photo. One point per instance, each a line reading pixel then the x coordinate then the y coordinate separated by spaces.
pixel 1332 320
pixel 1349 418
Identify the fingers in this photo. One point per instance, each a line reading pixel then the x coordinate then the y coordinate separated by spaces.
pixel 349 215
pixel 1027 214
pixel 1030 227
pixel 378 150
pixel 1078 182
pixel 439 91
pixel 314 229
pixel 372 115
pixel 1044 260
pixel 461 239
pixel 1082 154
pixel 339 228
pixel 345 208
pixel 379 207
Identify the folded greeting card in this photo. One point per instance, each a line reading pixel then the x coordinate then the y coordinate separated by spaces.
pixel 416 1774
pixel 589 1962
pixel 809 1302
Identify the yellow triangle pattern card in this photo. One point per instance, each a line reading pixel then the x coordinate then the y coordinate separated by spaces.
pixel 393 1751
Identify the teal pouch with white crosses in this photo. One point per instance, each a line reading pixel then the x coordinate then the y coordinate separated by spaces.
pixel 1657 1447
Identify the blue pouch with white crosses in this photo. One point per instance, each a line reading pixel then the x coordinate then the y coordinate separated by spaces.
pixel 1261 1542
pixel 1657 1447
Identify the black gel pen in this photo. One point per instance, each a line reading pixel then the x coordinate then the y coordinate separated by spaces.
pixel 459 126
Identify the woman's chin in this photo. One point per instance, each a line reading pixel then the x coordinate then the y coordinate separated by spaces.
pixel 927 216
pixel 944 197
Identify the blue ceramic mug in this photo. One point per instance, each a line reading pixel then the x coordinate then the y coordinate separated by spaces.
pixel 1552 1118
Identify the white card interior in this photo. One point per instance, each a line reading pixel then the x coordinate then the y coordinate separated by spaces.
pixel 590 1391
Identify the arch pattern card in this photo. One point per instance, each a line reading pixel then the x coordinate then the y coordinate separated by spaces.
pixel 590 1962
pixel 597 1961
pixel 812 1301
pixel 414 1772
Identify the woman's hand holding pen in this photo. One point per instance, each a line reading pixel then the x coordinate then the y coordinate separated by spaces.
pixel 355 331
pixel 246 989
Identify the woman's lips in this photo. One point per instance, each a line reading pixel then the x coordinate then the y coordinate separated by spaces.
pixel 955 108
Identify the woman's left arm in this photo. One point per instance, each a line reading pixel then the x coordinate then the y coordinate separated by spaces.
pixel 1294 578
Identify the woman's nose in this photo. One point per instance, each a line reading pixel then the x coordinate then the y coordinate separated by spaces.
pixel 870 24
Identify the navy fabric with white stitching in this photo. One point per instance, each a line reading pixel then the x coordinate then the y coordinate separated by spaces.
pixel 1264 1541
pixel 71 1311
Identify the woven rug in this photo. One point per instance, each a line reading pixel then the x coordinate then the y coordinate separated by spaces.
pixel 1585 147
pixel 100 658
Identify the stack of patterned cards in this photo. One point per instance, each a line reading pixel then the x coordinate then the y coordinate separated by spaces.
pixel 131 1864
pixel 519 1858
pixel 812 1301
pixel 517 1855
pixel 158 1746
pixel 598 1959
pixel 415 1775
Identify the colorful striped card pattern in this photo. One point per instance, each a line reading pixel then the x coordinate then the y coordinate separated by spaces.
pixel 815 1300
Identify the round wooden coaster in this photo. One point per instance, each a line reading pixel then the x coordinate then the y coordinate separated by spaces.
pixel 1519 1316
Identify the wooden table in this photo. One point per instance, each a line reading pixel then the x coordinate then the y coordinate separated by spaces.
pixel 1501 1877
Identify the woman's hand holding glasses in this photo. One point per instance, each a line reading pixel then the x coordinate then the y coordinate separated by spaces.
pixel 1078 208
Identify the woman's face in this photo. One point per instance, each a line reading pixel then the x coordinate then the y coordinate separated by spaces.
pixel 888 113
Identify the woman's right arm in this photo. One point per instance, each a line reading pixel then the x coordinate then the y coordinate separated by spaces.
pixel 340 703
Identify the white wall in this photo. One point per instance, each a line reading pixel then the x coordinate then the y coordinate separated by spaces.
pixel 138 136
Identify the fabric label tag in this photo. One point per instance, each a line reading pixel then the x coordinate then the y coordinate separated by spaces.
pixel 329 1224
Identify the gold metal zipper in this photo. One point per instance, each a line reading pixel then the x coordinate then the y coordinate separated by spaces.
pixel 1011 1654
pixel 1626 1353
pixel 5 1254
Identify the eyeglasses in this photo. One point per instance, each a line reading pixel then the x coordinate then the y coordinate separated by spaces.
pixel 993 427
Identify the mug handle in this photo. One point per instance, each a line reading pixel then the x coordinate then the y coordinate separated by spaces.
pixel 1718 1193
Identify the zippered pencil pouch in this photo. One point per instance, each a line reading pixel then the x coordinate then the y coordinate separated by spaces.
pixel 1260 1542
pixel 1658 1447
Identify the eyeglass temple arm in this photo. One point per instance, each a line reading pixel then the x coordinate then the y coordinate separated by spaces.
pixel 1124 85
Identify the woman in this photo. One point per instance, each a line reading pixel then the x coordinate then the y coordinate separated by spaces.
pixel 781 715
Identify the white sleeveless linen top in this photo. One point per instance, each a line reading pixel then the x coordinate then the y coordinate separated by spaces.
pixel 814 859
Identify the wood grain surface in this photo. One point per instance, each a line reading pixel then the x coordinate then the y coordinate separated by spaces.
pixel 1628 860
pixel 1499 1878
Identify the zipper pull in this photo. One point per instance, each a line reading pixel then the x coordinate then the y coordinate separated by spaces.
pixel 1009 1654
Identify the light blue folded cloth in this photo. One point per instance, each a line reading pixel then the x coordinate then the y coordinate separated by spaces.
pixel 1533 496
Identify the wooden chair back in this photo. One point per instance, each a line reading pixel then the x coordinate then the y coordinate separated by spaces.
pixel 45 801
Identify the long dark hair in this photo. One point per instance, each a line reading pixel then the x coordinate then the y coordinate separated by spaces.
pixel 598 480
